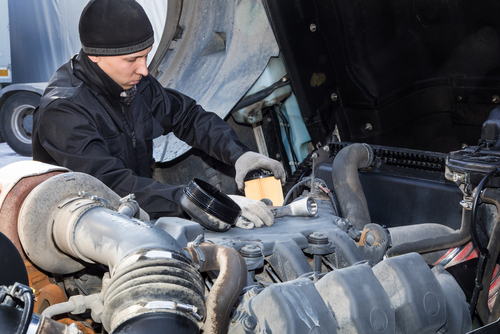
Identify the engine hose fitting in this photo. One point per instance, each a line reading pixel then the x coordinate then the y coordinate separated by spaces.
pixel 171 293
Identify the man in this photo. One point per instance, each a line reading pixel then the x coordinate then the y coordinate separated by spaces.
pixel 101 111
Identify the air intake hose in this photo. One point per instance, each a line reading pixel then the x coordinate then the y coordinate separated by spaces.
pixel 152 284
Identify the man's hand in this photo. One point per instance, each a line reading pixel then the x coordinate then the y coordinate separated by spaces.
pixel 253 213
pixel 250 161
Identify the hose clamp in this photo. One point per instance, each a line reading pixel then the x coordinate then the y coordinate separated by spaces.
pixel 171 305
pixel 370 155
pixel 196 246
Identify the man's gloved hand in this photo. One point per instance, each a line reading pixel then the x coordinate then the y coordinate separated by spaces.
pixel 253 213
pixel 250 161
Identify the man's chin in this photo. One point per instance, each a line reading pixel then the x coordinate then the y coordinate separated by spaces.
pixel 127 87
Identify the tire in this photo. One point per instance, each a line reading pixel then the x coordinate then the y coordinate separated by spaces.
pixel 16 121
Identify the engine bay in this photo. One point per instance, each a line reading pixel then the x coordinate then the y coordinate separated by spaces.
pixel 329 264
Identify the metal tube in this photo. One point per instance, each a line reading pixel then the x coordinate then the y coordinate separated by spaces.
pixel 317 262
pixel 57 309
pixel 95 233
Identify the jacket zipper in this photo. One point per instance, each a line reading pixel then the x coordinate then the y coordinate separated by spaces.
pixel 134 138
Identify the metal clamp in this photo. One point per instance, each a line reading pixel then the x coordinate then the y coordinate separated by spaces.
pixel 196 246
pixel 171 305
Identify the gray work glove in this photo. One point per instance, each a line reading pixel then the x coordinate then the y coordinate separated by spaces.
pixel 253 213
pixel 250 161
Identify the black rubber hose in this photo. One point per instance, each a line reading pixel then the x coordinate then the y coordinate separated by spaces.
pixel 28 310
pixel 262 94
pixel 490 196
pixel 457 238
pixel 346 183
pixel 228 286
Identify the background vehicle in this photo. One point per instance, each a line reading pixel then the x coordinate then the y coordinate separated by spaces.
pixel 384 115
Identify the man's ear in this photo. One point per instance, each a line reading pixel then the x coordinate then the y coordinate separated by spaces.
pixel 95 59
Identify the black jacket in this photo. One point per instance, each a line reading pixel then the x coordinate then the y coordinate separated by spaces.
pixel 82 125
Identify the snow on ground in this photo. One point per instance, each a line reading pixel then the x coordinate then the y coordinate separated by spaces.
pixel 8 156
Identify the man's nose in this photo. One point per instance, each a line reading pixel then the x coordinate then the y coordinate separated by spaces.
pixel 142 69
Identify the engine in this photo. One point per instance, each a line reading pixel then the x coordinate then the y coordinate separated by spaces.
pixel 333 262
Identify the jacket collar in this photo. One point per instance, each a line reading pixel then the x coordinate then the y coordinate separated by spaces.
pixel 94 77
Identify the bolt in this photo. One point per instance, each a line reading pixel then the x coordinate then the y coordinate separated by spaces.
pixel 368 126
pixel 458 178
pixel 460 98
pixel 334 96
pixel 326 148
pixel 285 79
pixel 317 238
pixel 312 27
pixel 495 99
pixel 251 119
pixel 269 120
pixel 370 239
pixel 278 156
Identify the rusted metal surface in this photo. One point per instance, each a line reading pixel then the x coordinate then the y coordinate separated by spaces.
pixel 11 205
pixel 81 326
pixel 48 326
pixel 46 292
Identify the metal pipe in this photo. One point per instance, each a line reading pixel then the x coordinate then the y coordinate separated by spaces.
pixel 228 286
pixel 94 233
pixel 57 309
pixel 346 183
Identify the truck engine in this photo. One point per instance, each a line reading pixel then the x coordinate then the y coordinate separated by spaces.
pixel 98 265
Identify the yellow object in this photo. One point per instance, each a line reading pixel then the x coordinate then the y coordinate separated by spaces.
pixel 265 187
pixel 4 73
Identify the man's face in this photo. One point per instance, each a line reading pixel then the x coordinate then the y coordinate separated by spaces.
pixel 125 70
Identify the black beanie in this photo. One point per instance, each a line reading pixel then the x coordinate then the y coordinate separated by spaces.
pixel 114 28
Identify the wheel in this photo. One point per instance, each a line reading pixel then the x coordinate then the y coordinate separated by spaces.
pixel 16 121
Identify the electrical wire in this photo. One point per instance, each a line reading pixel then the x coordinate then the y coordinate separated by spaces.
pixel 330 193
pixel 27 297
pixel 483 251
pixel 298 184
pixel 286 128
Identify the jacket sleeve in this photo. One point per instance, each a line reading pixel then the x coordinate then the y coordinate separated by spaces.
pixel 84 149
pixel 201 129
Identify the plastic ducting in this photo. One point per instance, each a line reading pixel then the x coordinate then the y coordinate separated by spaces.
pixel 66 222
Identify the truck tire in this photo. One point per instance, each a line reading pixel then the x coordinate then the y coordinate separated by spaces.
pixel 16 121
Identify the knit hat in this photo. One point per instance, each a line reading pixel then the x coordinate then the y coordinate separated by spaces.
pixel 114 28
